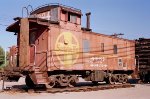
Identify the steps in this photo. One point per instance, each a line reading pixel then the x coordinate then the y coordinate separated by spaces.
pixel 41 77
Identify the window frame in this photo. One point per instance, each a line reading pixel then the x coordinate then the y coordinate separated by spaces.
pixel 102 47
pixel 115 49
pixel 120 63
pixel 86 46
pixel 70 18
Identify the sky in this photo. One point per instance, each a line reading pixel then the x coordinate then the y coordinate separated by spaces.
pixel 130 17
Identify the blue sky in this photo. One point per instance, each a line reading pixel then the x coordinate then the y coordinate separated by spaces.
pixel 131 17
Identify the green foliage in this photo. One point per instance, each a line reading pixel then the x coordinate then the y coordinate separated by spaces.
pixel 2 56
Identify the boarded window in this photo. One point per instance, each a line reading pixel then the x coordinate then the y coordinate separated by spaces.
pixel 102 47
pixel 86 46
pixel 115 49
pixel 54 14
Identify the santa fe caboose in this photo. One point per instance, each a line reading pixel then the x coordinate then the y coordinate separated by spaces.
pixel 55 50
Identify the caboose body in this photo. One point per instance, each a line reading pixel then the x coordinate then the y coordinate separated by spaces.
pixel 53 49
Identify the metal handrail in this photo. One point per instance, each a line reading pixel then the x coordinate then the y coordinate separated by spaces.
pixel 26 10
pixel 52 59
pixel 30 8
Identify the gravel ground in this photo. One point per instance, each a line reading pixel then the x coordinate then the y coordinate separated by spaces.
pixel 140 91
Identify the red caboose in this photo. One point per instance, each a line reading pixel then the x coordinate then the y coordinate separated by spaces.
pixel 55 50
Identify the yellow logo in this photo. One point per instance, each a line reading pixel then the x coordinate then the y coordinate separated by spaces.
pixel 67 48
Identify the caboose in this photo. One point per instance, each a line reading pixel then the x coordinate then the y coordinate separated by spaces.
pixel 54 50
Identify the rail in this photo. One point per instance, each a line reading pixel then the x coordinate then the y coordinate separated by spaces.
pixel 27 10
pixel 30 8
pixel 86 87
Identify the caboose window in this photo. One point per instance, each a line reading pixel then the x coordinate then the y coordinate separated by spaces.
pixel 86 46
pixel 102 47
pixel 54 14
pixel 72 18
pixel 32 38
pixel 115 49
pixel 120 62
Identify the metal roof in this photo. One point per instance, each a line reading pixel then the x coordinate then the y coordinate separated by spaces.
pixel 47 7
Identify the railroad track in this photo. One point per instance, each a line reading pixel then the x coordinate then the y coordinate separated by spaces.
pixel 23 88
pixel 88 88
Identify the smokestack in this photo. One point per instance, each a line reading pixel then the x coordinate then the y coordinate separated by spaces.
pixel 88 20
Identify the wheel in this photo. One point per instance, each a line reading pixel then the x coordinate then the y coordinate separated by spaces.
pixel 51 83
pixel 29 82
pixel 112 79
pixel 73 79
pixel 125 78
pixel 72 83
pixel 121 78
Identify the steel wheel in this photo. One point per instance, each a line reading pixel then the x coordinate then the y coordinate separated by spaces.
pixel 73 81
pixel 51 83
pixel 121 78
pixel 112 79
pixel 125 78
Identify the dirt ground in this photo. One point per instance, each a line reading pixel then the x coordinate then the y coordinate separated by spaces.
pixel 140 91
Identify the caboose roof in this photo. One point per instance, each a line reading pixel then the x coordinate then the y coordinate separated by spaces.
pixel 109 36
pixel 47 7
pixel 15 27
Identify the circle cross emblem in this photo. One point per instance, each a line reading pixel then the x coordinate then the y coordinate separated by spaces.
pixel 67 48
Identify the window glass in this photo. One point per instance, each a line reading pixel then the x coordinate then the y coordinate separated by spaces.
pixel 102 47
pixel 86 46
pixel 32 38
pixel 72 18
pixel 54 14
pixel 115 49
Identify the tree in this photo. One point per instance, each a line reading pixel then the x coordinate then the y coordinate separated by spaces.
pixel 2 56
